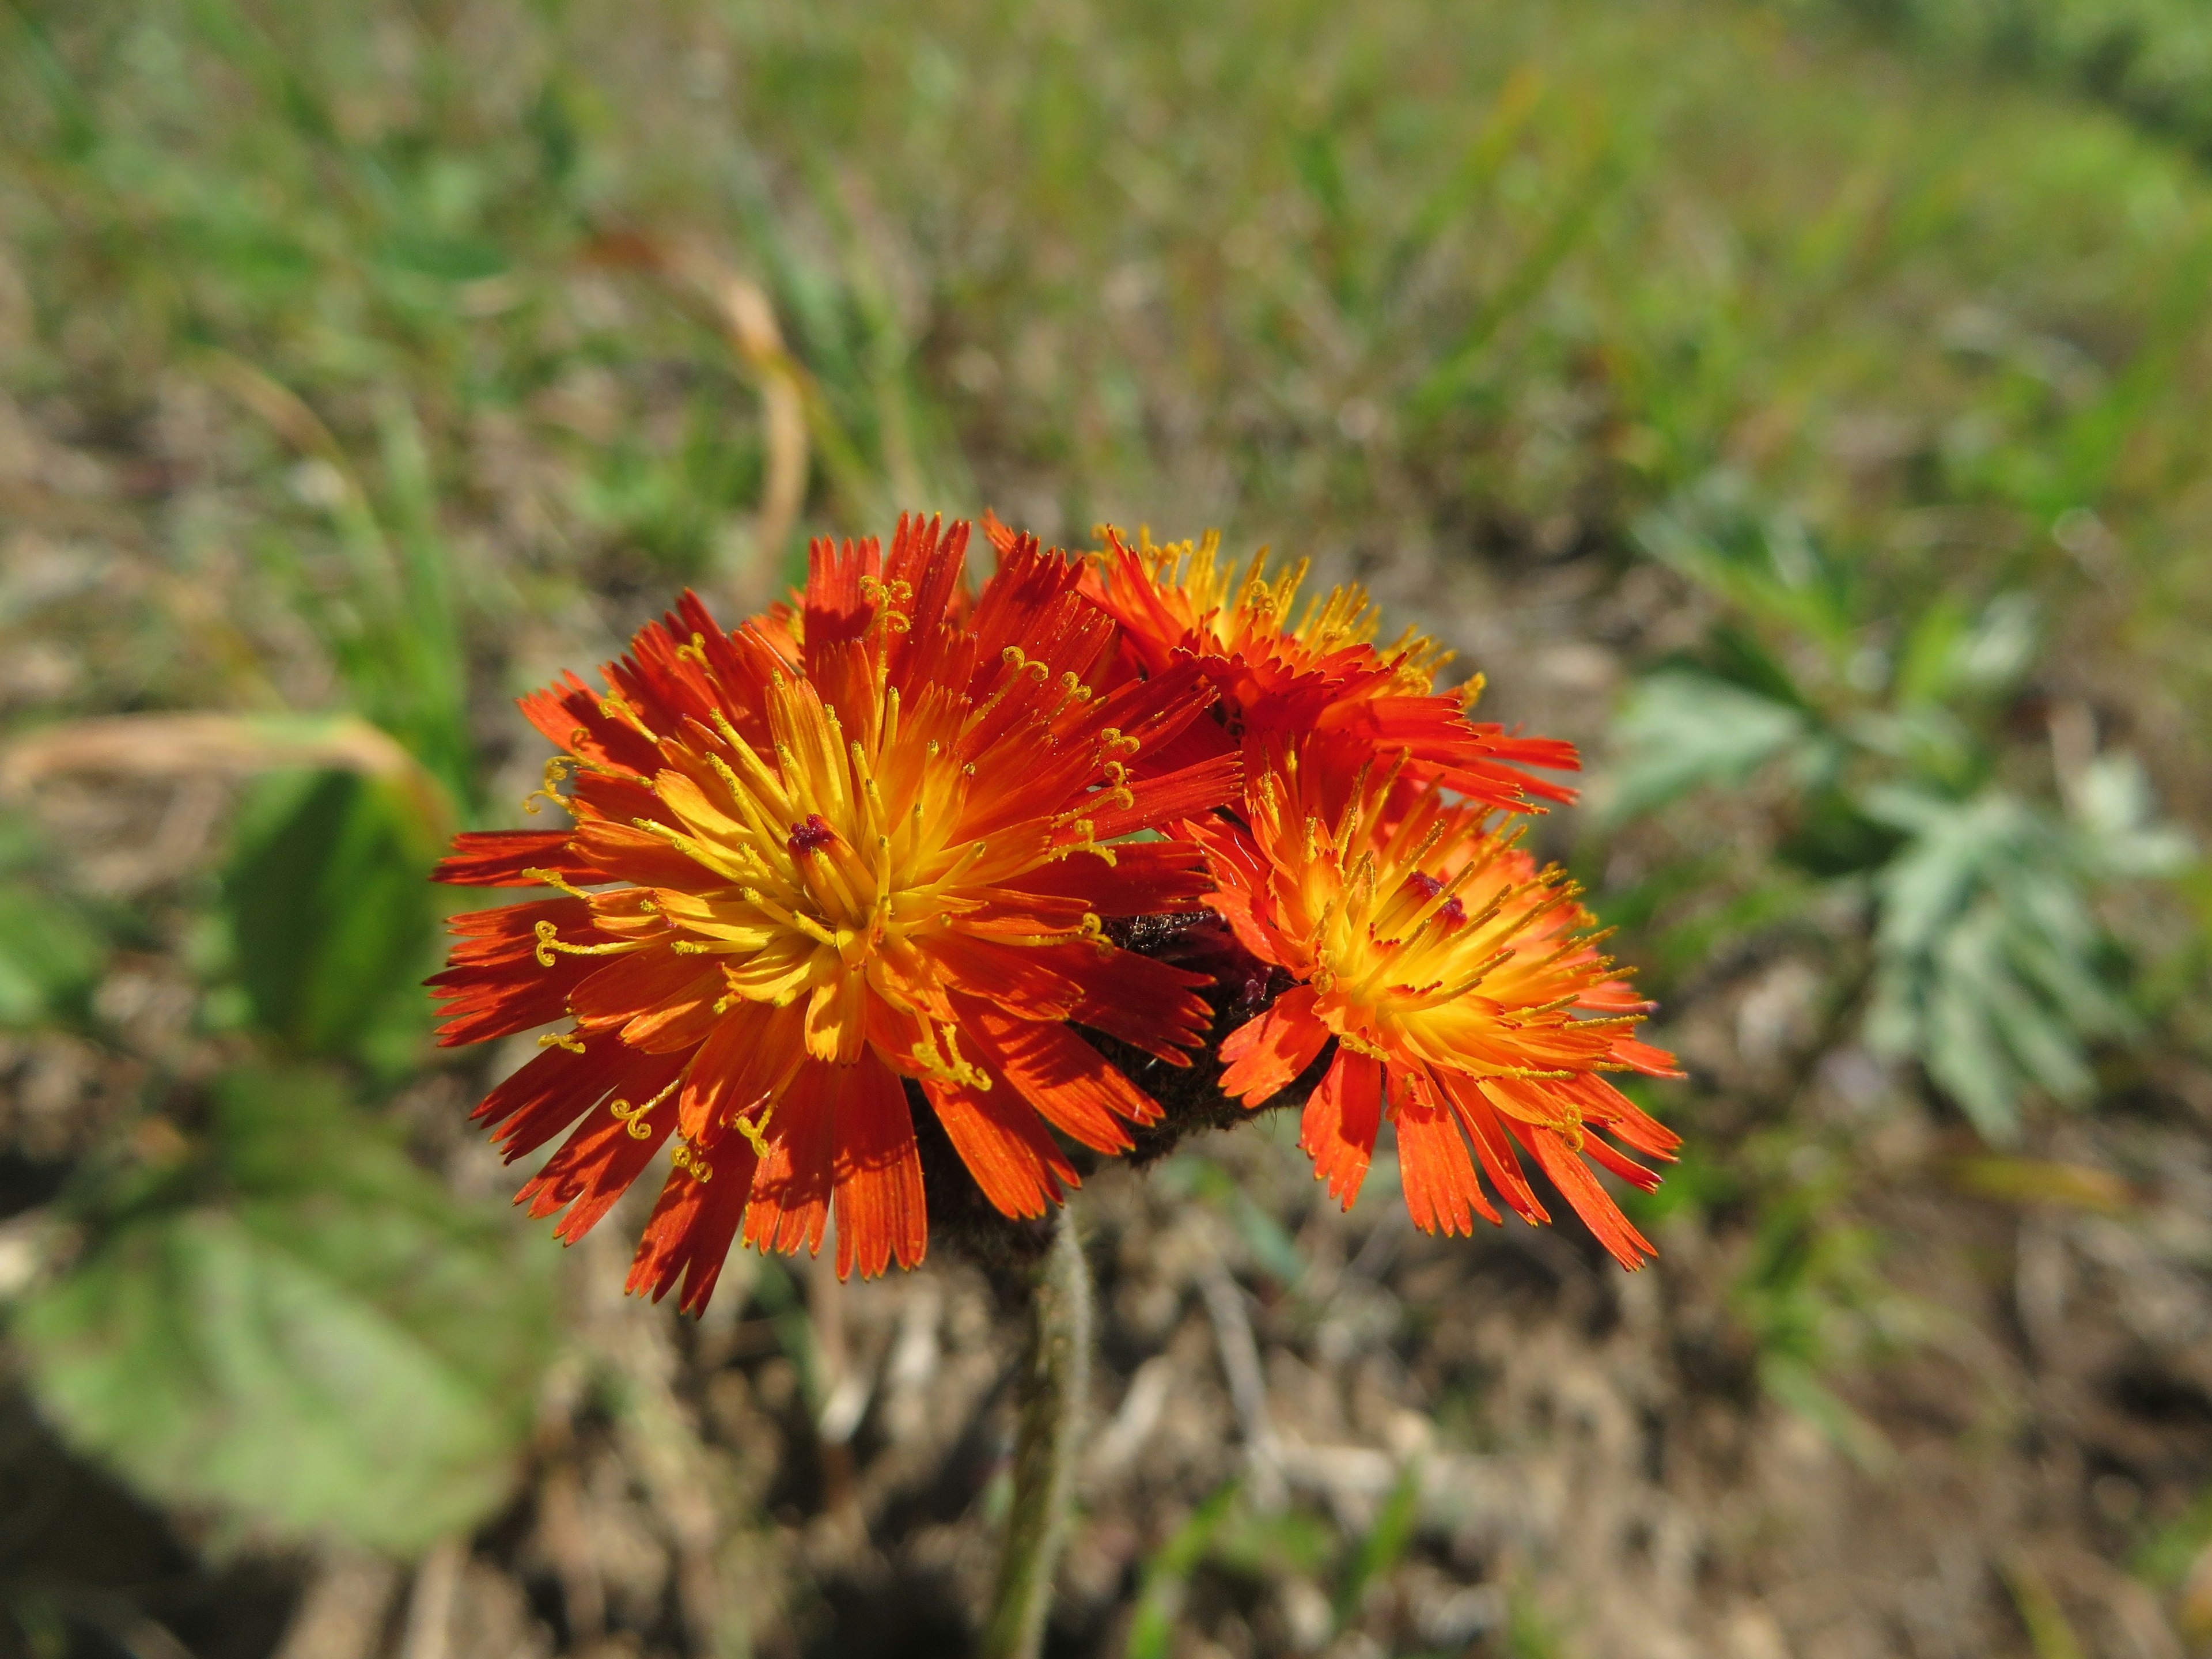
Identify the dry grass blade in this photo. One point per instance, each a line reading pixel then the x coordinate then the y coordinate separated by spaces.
pixel 341 1614
pixel 1248 1383
pixel 740 310
pixel 430 1633
pixel 195 746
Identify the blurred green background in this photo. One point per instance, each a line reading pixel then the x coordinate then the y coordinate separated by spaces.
pixel 1798 404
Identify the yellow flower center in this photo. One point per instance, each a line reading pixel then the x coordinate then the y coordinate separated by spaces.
pixel 842 855
pixel 1407 960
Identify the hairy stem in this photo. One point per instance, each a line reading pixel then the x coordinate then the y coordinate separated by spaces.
pixel 1055 1380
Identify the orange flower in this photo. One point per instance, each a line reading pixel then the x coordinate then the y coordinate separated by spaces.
pixel 1320 675
pixel 1463 1000
pixel 863 842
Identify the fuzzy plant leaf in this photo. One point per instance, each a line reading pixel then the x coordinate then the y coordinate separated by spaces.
pixel 1682 730
pixel 302 1333
pixel 1990 961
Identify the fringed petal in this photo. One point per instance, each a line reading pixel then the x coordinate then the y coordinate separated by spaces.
pixel 1442 1193
pixel 515 858
pixel 1266 1052
pixel 1003 1143
pixel 791 1191
pixel 694 1223
pixel 1591 1201
pixel 1341 1118
pixel 1062 1076
pixel 880 1216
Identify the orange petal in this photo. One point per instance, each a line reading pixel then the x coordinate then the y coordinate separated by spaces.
pixel 602 1155
pixel 567 712
pixel 876 1171
pixel 1148 1005
pixel 1004 1145
pixel 751 1052
pixel 1592 1202
pixel 837 1018
pixel 1492 1145
pixel 1061 1075
pixel 692 1223
pixel 1146 877
pixel 545 1096
pixel 640 857
pixel 1442 1193
pixel 1265 1053
pixel 1341 1117
pixel 1596 1148
pixel 1157 801
pixel 790 1202
pixel 835 607
pixel 1020 976
pixel 1645 1058
pixel 497 858
pixel 646 993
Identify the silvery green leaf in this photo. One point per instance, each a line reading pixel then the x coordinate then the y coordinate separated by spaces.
pixel 1958 1043
pixel 2002 646
pixel 2117 815
pixel 1941 870
pixel 1680 731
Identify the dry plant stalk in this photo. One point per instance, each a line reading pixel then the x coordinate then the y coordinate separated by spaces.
pixel 739 309
pixel 233 746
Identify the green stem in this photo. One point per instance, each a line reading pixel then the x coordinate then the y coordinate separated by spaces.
pixel 1054 1381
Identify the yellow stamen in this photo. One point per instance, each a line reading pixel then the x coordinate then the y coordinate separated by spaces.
pixel 548 941
pixel 560 768
pixel 553 880
pixel 633 1117
pixel 619 708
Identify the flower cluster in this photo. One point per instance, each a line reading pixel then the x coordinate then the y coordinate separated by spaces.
pixel 872 856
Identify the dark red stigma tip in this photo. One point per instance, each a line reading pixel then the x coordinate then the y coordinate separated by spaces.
pixel 1451 912
pixel 810 836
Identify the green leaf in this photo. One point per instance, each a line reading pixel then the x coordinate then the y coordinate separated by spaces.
pixel 1997 651
pixel 50 955
pixel 1680 731
pixel 1761 559
pixel 1990 961
pixel 1832 837
pixel 1948 655
pixel 1960 1043
pixel 444 259
pixel 2116 816
pixel 1738 657
pixel 312 1339
pixel 1167 1576
pixel 1385 1543
pixel 330 910
pixel 1925 659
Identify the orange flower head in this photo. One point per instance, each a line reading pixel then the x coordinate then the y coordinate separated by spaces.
pixel 1286 671
pixel 1464 998
pixel 867 842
